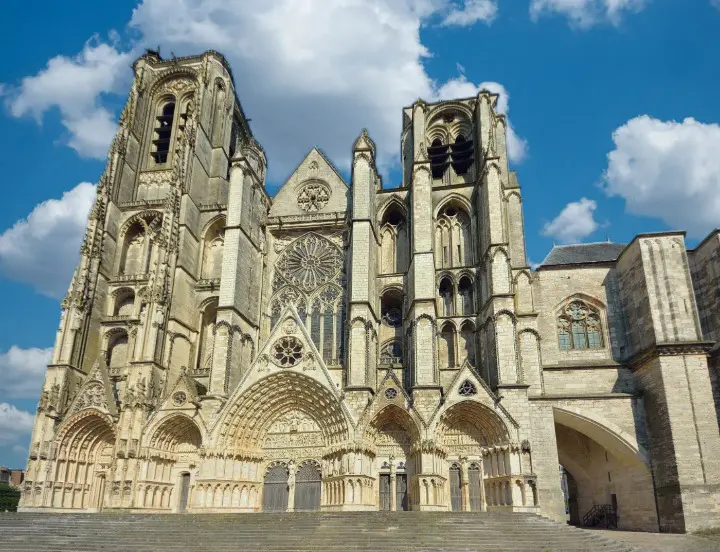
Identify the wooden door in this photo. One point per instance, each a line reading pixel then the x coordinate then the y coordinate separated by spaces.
pixel 455 492
pixel 307 487
pixel 474 481
pixel 385 492
pixel 401 494
pixel 184 492
pixel 276 490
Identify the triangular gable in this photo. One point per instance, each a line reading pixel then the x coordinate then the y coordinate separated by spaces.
pixel 390 392
pixel 183 395
pixel 483 394
pixel 314 168
pixel 96 391
pixel 306 359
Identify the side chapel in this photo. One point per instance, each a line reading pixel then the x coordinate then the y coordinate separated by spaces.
pixel 343 346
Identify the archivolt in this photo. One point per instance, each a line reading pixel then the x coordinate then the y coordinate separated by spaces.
pixel 252 414
pixel 85 435
pixel 176 434
pixel 487 422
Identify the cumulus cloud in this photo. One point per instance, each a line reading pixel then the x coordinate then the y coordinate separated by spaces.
pixel 669 170
pixel 470 12
pixel 307 73
pixel 22 371
pixel 15 426
pixel 575 222
pixel 43 248
pixel 75 85
pixel 460 87
pixel 586 13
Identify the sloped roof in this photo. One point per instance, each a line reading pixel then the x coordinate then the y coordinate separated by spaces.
pixel 583 253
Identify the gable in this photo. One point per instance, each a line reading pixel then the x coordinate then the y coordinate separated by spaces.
pixel 315 187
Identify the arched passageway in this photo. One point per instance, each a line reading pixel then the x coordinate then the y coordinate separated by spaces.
pixel 603 470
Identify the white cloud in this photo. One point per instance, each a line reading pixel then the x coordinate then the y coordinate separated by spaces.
pixel 15 425
pixel 586 13
pixel 460 87
pixel 22 371
pixel 43 249
pixel 74 86
pixel 668 170
pixel 469 12
pixel 307 73
pixel 575 222
pixel 715 3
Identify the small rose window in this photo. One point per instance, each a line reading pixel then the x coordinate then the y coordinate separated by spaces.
pixel 287 351
pixel 467 389
pixel 390 393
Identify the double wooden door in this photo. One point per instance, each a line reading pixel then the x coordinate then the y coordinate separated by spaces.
pixel 401 492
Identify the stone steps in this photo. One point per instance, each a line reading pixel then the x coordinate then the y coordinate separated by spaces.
pixel 299 532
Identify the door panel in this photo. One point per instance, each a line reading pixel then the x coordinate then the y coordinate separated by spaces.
pixel 275 490
pixel 401 500
pixel 385 492
pixel 307 487
pixel 455 497
pixel 474 482
pixel 184 492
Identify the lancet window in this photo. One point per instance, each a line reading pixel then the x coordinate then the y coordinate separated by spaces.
pixel 579 327
pixel 140 244
pixel 453 238
pixel 208 321
pixel 213 251
pixel 162 133
pixel 394 250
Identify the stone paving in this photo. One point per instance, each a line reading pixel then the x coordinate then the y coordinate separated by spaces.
pixel 660 542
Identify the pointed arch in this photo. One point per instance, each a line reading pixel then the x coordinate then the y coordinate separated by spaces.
pixel 213 242
pixel 447 354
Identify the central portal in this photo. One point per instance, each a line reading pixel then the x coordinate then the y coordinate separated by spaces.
pixel 401 492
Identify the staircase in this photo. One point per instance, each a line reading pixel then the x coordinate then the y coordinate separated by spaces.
pixel 311 532
pixel 601 515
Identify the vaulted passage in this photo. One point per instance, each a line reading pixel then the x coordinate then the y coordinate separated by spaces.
pixel 603 472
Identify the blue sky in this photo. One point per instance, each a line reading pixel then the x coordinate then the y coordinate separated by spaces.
pixel 613 104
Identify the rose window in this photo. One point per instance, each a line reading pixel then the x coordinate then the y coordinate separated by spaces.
pixel 179 398
pixel 467 389
pixel 313 197
pixel 287 351
pixel 390 393
pixel 310 262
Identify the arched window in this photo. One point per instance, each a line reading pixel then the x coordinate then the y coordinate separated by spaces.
pixel 140 246
pixel 117 350
pixel 391 308
pixel 218 124
pixel 439 158
pixel 213 251
pixel 579 327
pixel 446 297
pixel 446 349
pixel 453 237
pixel 394 241
pixel 124 303
pixel 207 336
pixel 391 353
pixel 467 343
pixel 465 291
pixel 162 133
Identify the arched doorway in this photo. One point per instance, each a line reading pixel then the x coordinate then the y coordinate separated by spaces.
pixel 308 484
pixel 455 489
pixel 393 432
pixel 473 437
pixel 275 489
pixel 172 453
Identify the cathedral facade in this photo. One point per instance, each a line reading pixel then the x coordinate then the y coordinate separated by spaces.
pixel 343 346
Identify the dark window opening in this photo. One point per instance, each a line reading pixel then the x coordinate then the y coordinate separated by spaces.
pixel 462 155
pixel 163 132
pixel 439 158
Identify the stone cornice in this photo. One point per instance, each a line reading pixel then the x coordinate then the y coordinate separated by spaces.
pixel 670 349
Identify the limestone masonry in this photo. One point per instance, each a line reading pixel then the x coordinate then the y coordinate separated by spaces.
pixel 341 346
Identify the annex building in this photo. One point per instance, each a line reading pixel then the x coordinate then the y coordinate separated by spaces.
pixel 341 346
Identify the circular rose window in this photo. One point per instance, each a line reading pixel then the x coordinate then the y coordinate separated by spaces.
pixel 179 398
pixel 390 393
pixel 287 351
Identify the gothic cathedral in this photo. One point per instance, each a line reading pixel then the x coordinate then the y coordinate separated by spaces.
pixel 343 346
